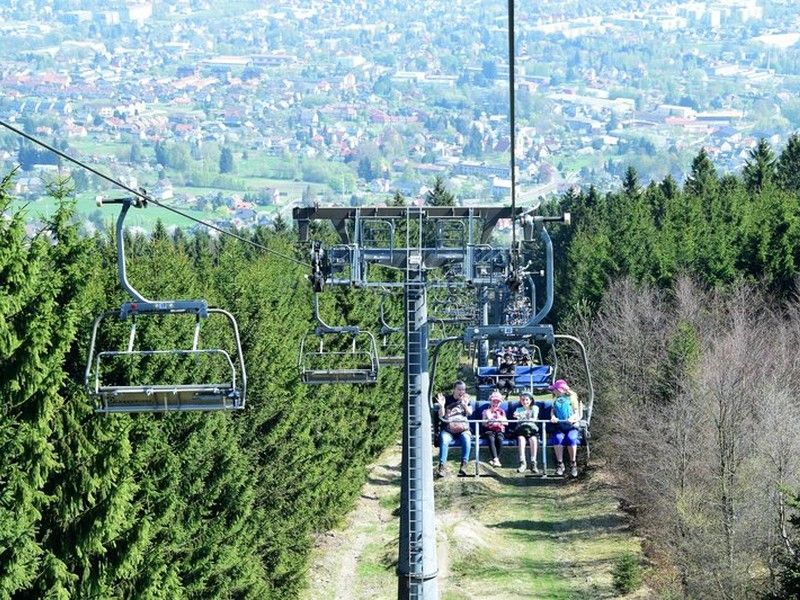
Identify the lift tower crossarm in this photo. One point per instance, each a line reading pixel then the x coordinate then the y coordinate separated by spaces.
pixel 339 216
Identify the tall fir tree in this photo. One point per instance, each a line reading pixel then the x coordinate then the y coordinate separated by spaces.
pixel 630 183
pixel 669 187
pixel 702 176
pixel 28 455
pixel 759 170
pixel 398 199
pixel 787 167
pixel 438 195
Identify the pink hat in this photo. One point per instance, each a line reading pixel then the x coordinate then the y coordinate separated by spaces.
pixel 495 396
pixel 560 386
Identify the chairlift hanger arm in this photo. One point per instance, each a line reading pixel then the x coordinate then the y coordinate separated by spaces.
pixel 140 304
pixel 323 327
pixel 138 202
pixel 385 327
pixel 589 404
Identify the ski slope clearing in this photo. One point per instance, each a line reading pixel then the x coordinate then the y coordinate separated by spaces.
pixel 502 536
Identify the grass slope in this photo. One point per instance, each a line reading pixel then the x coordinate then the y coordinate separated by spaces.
pixel 503 535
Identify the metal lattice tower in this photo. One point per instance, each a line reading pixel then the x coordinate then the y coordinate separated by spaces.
pixel 417 564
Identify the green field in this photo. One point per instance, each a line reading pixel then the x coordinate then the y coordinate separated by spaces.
pixel 85 204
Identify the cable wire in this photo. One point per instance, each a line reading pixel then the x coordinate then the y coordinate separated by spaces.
pixel 512 121
pixel 147 198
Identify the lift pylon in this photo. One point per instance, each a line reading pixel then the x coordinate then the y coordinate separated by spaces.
pixel 465 257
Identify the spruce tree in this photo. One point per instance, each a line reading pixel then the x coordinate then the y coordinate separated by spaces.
pixel 759 170
pixel 397 199
pixel 788 165
pixel 27 389
pixel 702 177
pixel 630 184
pixel 657 201
pixel 669 187
pixel 719 242
pixel 590 265
pixel 776 234
pixel 89 501
pixel 439 195
pixel 592 197
pixel 41 307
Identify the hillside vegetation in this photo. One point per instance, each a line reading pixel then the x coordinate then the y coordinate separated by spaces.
pixel 182 505
pixel 687 299
pixel 501 536
pixel 685 295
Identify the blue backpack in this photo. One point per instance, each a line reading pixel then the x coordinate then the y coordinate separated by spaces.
pixel 562 408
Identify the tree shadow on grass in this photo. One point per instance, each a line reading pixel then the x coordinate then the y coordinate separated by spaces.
pixel 576 526
pixel 390 476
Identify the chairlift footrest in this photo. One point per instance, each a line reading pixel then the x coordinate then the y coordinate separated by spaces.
pixel 319 377
pixel 392 361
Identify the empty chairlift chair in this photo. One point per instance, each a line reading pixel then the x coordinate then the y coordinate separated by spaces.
pixel 350 356
pixel 117 378
pixel 355 362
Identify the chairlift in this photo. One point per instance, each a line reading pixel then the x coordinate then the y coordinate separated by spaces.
pixel 392 360
pixel 455 305
pixel 226 393
pixel 355 361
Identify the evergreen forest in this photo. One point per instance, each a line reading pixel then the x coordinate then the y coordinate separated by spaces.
pixel 685 292
pixel 185 505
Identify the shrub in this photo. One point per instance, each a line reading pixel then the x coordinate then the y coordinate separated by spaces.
pixel 627 574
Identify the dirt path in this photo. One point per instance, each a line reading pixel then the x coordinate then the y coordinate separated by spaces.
pixel 357 561
pixel 501 536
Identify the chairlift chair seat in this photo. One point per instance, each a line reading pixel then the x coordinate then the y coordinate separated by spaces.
pixel 322 376
pixel 167 398
pixel 392 361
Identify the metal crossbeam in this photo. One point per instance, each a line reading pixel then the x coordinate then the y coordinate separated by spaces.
pixel 339 216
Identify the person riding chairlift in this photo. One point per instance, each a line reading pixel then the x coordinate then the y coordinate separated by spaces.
pixel 455 408
pixel 494 426
pixel 567 412
pixel 505 380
